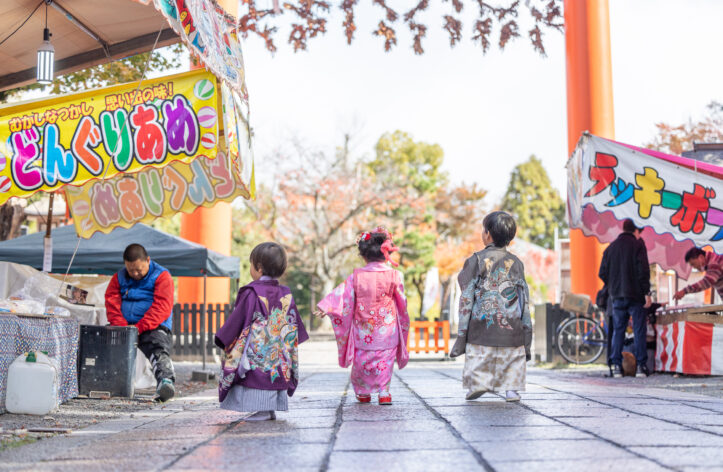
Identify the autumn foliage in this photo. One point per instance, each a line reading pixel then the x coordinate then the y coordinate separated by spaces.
pixel 309 19
pixel 674 139
pixel 318 203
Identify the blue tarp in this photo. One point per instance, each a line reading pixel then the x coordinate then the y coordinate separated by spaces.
pixel 103 253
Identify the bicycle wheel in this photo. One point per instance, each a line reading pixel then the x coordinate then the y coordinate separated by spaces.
pixel 580 340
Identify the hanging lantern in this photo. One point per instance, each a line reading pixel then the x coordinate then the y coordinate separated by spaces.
pixel 46 56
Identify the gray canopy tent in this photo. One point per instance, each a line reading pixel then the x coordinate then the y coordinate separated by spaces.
pixel 103 253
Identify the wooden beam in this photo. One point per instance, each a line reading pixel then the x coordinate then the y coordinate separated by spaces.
pixel 94 57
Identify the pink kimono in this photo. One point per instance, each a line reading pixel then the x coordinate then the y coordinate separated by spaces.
pixel 369 315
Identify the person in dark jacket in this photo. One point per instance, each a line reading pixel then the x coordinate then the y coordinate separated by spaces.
pixel 626 273
pixel 141 294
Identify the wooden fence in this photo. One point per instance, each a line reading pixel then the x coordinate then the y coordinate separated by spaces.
pixel 419 331
pixel 189 338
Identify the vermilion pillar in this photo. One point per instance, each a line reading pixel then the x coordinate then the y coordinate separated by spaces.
pixel 589 108
pixel 210 227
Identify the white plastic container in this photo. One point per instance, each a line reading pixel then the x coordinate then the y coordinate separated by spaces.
pixel 32 387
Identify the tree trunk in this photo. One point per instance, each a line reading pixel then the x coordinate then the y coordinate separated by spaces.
pixel 326 288
pixel 419 286
pixel 12 215
pixel 444 301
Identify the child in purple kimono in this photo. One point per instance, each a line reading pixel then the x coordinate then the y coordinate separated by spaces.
pixel 260 369
pixel 370 320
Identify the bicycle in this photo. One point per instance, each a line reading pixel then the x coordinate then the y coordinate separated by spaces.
pixel 582 339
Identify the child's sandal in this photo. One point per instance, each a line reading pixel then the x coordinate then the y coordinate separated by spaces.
pixel 364 398
pixel 385 399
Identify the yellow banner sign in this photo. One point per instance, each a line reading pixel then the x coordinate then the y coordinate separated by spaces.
pixel 73 139
pixel 146 195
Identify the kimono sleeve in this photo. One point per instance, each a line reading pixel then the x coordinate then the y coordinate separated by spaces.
pixel 238 320
pixel 339 305
pixel 400 300
pixel 301 329
pixel 526 319
pixel 466 303
pixel 469 272
pixel 333 303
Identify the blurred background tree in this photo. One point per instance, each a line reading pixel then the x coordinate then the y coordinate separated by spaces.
pixel 674 139
pixel 535 204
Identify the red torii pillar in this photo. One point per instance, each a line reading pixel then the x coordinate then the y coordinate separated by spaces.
pixel 589 108
pixel 210 227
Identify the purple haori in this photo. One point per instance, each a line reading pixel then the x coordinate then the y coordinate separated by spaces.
pixel 261 339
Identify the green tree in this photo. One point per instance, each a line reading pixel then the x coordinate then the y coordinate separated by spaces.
pixel 534 203
pixel 417 249
pixel 413 167
pixel 403 162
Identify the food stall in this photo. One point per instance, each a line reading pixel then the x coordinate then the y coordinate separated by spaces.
pixel 21 331
pixel 679 204
pixel 122 154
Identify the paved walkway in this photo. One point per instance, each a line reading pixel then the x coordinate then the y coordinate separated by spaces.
pixel 565 422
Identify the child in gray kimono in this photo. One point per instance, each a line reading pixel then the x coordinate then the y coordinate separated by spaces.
pixel 495 330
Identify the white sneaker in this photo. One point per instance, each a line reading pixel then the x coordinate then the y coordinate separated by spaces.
pixel 262 416
pixel 512 396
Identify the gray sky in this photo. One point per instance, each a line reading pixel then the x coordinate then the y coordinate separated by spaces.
pixel 488 112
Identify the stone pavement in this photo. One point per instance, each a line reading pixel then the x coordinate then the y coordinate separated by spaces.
pixel 565 422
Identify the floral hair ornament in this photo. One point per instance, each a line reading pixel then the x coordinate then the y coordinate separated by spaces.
pixel 365 236
pixel 388 246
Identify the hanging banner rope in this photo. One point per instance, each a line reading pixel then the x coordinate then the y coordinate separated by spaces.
pixel 69 140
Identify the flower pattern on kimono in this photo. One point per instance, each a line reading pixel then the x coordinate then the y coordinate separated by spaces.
pixel 354 325
pixel 372 370
pixel 273 342
pixel 232 358
pixel 494 302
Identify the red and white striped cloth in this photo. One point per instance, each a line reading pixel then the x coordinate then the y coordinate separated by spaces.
pixel 689 347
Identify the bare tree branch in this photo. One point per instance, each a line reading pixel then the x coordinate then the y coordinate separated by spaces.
pixel 310 18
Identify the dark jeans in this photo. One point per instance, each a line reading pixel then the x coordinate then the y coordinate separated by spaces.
pixel 156 345
pixel 623 309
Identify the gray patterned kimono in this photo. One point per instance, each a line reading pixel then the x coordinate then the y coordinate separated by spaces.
pixel 494 306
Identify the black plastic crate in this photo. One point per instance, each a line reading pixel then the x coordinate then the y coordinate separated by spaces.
pixel 107 359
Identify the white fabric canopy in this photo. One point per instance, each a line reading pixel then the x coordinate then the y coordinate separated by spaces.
pixel 678 201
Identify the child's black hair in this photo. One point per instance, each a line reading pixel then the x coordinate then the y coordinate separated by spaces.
pixel 371 249
pixel 501 226
pixel 270 259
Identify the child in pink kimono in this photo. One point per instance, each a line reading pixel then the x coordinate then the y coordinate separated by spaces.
pixel 369 315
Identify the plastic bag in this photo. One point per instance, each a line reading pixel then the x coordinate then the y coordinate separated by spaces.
pixel 57 311
pixel 39 287
pixel 30 307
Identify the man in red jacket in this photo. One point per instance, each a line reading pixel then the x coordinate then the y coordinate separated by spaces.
pixel 141 294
